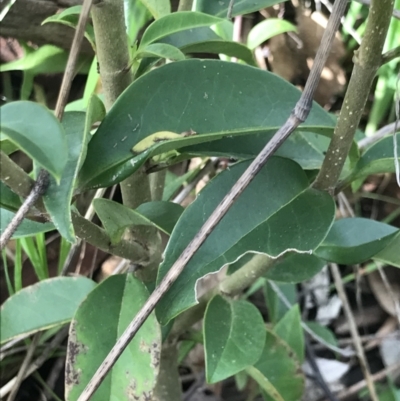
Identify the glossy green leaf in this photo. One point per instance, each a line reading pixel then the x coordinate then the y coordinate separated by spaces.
pixel 26 228
pixel 231 49
pixel 284 222
pixel 190 36
pixel 117 217
pixel 220 8
pixel 355 240
pixel 136 17
pixel 70 17
pixel 295 268
pixel 276 308
pixel 279 364
pixel 175 22
pixel 36 131
pixel 220 90
pixel 289 329
pixel 99 322
pixel 234 337
pixel 58 197
pixel 391 253
pixel 161 50
pixel 157 8
pixel 8 199
pixel 43 305
pixel 266 30
pixel 377 159
pixel 323 332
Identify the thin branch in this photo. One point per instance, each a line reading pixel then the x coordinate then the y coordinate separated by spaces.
pixel 367 61
pixel 298 115
pixel 354 332
pixel 381 133
pixel 390 55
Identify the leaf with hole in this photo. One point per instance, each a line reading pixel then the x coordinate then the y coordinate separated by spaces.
pixel 228 95
pixel 117 217
pixel 99 322
pixel 240 7
pixel 355 240
pixel 49 303
pixel 36 131
pixel 234 337
pixel 295 218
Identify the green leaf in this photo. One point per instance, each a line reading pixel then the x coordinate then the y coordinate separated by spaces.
pixel 266 30
pixel 390 254
pixel 289 329
pixel 58 197
pixel 8 199
pixel 173 182
pixel 231 49
pixel 323 332
pixel 220 90
pixel 26 228
pixel 175 22
pixel 70 17
pixel 264 383
pixel 36 131
pixel 295 268
pixel 284 222
pixel 136 17
pixel 355 240
pixel 43 305
pixel 220 8
pixel 46 59
pixel 161 50
pixel 157 8
pixel 99 322
pixel 280 366
pixel 377 159
pixel 276 308
pixel 234 337
pixel 116 217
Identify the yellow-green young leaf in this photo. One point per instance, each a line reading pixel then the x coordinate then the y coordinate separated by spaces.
pixel 234 337
pixel 157 8
pixel 281 224
pixel 36 131
pixel 100 320
pixel 43 305
pixel 266 30
pixel 280 366
pixel 355 240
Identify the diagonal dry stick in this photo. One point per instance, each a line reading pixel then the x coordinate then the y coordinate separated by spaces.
pixel 298 116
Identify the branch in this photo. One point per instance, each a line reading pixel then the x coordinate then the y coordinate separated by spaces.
pixel 396 13
pixel 367 60
pixel 390 55
pixel 298 115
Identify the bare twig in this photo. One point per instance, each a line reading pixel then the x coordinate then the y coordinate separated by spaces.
pixel 24 367
pixel 381 133
pixel 354 332
pixel 298 115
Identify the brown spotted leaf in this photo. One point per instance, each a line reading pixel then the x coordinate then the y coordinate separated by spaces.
pixel 99 322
